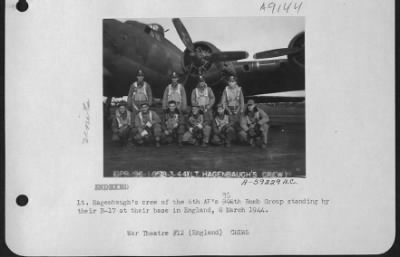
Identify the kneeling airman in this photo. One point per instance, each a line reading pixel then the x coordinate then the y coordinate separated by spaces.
pixel 147 126
pixel 223 132
pixel 121 124
pixel 173 124
pixel 254 124
pixel 198 128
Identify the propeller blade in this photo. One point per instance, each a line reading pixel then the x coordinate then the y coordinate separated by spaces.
pixel 183 34
pixel 278 52
pixel 227 56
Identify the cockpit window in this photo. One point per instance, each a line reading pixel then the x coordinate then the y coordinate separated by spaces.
pixel 155 30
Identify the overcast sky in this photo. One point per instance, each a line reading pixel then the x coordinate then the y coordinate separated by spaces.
pixel 251 34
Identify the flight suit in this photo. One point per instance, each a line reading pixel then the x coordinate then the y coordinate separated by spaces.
pixel 199 129
pixel 254 124
pixel 175 93
pixel 205 99
pixel 138 94
pixel 222 130
pixel 173 125
pixel 121 127
pixel 147 127
pixel 233 101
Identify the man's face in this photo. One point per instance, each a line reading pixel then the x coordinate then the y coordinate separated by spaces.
pixel 202 85
pixel 195 110
pixel 140 78
pixel 250 107
pixel 122 109
pixel 232 83
pixel 220 110
pixel 172 107
pixel 144 108
pixel 174 81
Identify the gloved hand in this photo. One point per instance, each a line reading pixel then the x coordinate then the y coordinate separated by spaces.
pixel 144 133
pixel 148 124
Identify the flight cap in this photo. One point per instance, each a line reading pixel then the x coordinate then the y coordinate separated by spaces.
pixel 174 75
pixel 140 73
pixel 231 78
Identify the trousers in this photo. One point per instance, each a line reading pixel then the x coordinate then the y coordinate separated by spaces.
pixel 197 134
pixel 121 134
pixel 175 134
pixel 257 131
pixel 154 133
pixel 226 135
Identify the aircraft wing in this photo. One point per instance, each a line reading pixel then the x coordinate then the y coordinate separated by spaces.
pixel 271 72
pixel 259 65
pixel 269 76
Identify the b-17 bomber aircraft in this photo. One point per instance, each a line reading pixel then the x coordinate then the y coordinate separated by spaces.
pixel 131 45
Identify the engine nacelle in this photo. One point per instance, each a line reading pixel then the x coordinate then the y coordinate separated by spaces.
pixel 199 62
pixel 297 59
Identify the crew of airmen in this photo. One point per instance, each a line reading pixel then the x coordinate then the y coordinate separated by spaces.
pixel 232 120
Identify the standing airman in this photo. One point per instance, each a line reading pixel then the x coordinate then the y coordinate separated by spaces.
pixel 175 92
pixel 233 101
pixel 139 92
pixel 203 96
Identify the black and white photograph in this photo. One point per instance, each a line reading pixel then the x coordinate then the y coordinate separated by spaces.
pixel 200 128
pixel 204 97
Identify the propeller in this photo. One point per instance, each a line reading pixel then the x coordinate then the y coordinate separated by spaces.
pixel 278 52
pixel 294 52
pixel 199 59
pixel 183 34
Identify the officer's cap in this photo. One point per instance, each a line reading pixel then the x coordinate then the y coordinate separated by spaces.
pixel 140 73
pixel 174 75
pixel 231 78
